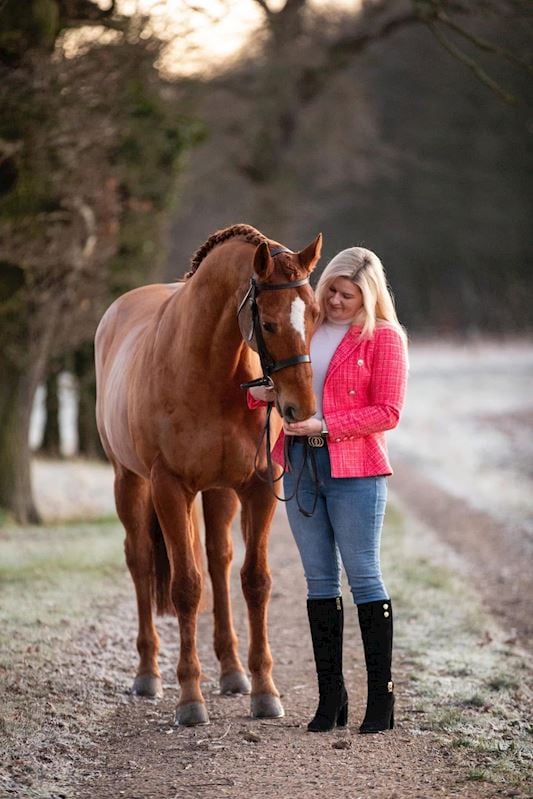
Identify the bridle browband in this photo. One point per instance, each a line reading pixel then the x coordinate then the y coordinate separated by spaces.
pixel 268 364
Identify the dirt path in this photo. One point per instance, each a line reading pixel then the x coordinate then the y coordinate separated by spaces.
pixel 70 729
pixel 238 757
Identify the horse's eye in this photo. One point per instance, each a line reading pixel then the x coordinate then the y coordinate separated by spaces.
pixel 270 327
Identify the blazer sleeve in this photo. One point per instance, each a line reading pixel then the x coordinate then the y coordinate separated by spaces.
pixel 386 391
pixel 254 403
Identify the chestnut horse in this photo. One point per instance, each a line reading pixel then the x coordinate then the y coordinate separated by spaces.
pixel 173 421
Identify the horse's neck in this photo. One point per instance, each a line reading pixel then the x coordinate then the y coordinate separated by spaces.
pixel 202 318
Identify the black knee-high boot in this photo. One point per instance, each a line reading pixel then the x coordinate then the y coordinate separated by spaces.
pixel 326 620
pixel 375 621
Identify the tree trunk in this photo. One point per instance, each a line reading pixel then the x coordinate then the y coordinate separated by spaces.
pixel 89 443
pixel 17 392
pixel 51 443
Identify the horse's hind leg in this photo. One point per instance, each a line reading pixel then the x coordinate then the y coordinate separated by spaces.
pixel 257 511
pixel 173 505
pixel 220 507
pixel 136 512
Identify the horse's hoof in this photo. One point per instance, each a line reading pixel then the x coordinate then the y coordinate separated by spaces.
pixel 235 682
pixel 147 685
pixel 190 714
pixel 266 706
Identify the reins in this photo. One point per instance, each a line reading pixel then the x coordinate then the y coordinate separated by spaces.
pixel 269 366
pixel 309 452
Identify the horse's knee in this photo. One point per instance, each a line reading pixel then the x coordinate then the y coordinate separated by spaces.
pixel 138 560
pixel 256 585
pixel 186 591
pixel 219 556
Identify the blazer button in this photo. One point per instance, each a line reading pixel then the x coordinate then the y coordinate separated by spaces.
pixel 351 438
pixel 360 362
pixel 337 439
pixel 351 391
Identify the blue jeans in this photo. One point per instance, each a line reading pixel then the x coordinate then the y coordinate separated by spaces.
pixel 346 525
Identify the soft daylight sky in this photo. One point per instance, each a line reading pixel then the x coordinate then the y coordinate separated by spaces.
pixel 205 32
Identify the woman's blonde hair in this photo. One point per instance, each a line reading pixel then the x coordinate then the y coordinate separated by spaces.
pixel 364 269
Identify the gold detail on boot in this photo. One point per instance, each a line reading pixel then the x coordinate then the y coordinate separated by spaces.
pixel 386 614
pixel 385 606
pixel 338 601
pixel 390 686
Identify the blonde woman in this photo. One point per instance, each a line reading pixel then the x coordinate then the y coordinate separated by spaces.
pixel 338 477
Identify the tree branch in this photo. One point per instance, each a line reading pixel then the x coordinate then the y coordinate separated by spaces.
pixel 341 51
pixel 82 13
pixel 473 65
pixel 264 5
pixel 118 24
pixel 483 44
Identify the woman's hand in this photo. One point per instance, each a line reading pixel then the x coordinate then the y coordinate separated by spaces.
pixel 263 393
pixel 309 427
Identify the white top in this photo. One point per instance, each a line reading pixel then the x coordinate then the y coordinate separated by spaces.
pixel 323 345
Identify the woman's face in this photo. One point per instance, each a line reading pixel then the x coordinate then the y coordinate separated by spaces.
pixel 343 300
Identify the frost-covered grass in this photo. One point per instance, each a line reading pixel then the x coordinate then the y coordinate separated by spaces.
pixel 52 571
pixel 467 680
pixel 58 669
pixel 467 423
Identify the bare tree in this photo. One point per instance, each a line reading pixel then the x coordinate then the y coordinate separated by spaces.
pixel 303 49
pixel 88 147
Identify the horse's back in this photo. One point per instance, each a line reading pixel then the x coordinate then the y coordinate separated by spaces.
pixel 134 310
pixel 121 343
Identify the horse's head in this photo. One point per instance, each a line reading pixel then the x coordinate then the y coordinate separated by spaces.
pixel 286 319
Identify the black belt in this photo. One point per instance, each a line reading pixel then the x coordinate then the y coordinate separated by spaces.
pixel 316 441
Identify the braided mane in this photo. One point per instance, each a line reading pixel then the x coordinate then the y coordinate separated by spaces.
pixel 246 232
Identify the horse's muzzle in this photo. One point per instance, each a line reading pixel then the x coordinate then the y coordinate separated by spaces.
pixel 289 413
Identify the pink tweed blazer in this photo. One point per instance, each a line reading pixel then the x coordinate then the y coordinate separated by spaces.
pixel 364 392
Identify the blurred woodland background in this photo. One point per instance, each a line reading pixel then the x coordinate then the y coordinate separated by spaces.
pixel 403 125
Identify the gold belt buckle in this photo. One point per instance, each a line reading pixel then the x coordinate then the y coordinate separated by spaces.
pixel 316 441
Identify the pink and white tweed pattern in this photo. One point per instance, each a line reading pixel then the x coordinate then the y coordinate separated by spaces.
pixel 364 393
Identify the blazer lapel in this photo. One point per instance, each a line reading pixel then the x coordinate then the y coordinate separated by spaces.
pixel 346 348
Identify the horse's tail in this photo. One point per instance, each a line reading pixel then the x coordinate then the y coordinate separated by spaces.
pixel 206 601
pixel 161 577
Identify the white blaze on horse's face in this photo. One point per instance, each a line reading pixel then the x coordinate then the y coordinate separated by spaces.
pixel 298 316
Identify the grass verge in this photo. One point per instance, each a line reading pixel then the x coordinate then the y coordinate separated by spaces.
pixel 467 679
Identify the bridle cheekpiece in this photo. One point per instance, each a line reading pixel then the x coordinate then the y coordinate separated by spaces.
pixel 268 364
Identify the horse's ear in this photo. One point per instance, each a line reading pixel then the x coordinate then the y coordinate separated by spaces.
pixel 310 256
pixel 263 263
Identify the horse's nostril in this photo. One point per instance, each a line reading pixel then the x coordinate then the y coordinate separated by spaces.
pixel 289 413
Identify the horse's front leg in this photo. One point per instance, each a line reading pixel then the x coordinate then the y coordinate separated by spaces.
pixel 173 505
pixel 257 511
pixel 137 514
pixel 220 506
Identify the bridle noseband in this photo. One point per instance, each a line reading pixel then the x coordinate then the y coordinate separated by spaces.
pixel 268 364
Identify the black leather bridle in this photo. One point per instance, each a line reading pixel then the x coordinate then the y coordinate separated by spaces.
pixel 269 366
